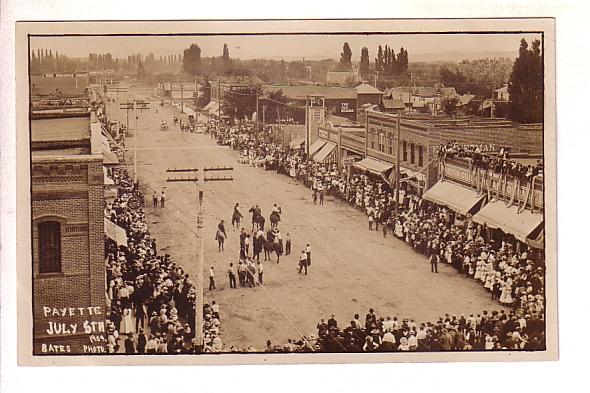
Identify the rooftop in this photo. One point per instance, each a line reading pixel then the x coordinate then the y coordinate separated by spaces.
pixel 61 136
pixel 365 88
pixel 301 92
pixel 65 85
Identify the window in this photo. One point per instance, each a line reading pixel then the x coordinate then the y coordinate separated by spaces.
pixel 420 156
pixel 412 154
pixel 49 247
pixel 390 146
pixel 372 143
pixel 381 142
pixel 405 151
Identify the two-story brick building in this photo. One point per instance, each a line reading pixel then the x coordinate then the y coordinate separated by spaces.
pixel 67 227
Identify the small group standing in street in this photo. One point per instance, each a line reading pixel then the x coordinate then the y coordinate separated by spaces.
pixel 162 199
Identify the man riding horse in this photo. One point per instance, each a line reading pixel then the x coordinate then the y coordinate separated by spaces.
pixel 275 216
pixel 236 216
pixel 257 218
pixel 270 245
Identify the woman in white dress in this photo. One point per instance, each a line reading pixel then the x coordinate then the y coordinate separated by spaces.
pixel 478 270
pixel 506 296
pixel 128 321
pixel 489 281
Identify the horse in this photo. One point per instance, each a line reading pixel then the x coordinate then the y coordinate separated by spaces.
pixel 255 215
pixel 275 217
pixel 269 248
pixel 236 217
pixel 257 218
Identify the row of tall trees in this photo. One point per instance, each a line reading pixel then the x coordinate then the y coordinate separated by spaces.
pixel 387 61
pixel 47 61
pixel 390 63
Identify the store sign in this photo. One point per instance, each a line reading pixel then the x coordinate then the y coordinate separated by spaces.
pixel 351 160
pixel 316 101
pixel 344 108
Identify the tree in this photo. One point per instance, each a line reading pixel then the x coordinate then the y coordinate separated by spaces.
pixel 364 64
pixel 450 105
pixel 379 59
pixel 140 70
pixel 191 60
pixel 526 84
pixel 240 103
pixel 402 61
pixel 204 95
pixel 345 58
pixel 225 59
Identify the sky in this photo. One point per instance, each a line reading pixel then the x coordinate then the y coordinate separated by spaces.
pixel 289 47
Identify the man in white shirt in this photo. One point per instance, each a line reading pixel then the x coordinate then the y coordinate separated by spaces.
pixel 308 252
pixel 211 278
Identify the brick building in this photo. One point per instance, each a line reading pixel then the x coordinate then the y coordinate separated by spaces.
pixel 67 192
pixel 421 136
pixel 417 148
pixel 338 101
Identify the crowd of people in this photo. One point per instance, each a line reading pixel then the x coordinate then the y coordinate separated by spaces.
pixel 493 330
pixel 481 158
pixel 511 271
pixel 151 299
pixel 150 296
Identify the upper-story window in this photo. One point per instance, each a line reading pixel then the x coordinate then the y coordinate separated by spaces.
pixel 49 247
pixel 405 151
pixel 420 156
pixel 412 154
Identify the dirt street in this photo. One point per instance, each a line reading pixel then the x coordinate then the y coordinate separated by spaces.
pixel 353 269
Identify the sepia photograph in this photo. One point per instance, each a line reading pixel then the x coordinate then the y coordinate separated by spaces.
pixel 293 191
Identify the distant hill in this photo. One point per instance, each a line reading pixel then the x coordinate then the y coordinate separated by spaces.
pixel 457 56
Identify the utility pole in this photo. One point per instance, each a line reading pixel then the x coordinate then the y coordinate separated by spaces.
pixel 200 181
pixel 263 116
pixel 410 94
pixel 141 105
pixel 219 98
pixel 307 126
pixel 397 162
pixel 181 99
pixel 127 106
pixel 257 112
pixel 492 104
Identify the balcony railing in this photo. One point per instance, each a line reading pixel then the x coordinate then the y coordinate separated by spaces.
pixel 501 187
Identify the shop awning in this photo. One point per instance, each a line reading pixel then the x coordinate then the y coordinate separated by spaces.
pixel 498 215
pixel 460 199
pixel 115 232
pixel 110 194
pixel 374 166
pixel 538 241
pixel 214 108
pixel 296 143
pixel 411 175
pixel 325 152
pixel 316 146
pixel 109 158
